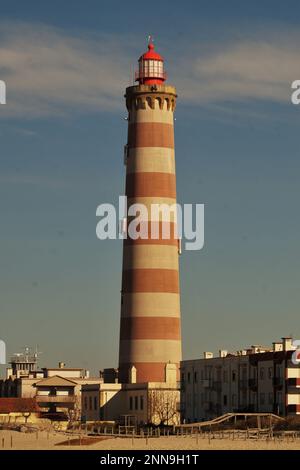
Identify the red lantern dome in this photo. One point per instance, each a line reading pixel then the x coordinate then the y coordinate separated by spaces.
pixel 151 68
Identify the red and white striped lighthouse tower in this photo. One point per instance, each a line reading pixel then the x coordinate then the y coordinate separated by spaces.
pixel 150 333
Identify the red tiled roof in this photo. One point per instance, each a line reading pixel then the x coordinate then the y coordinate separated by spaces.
pixel 15 405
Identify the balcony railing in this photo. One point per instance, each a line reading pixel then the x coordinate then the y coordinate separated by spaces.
pixel 140 75
pixel 55 398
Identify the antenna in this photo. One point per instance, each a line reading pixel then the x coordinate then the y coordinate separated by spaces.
pixel 150 39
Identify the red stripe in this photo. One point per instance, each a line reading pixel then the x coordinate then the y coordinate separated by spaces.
pixel 150 280
pixel 150 134
pixel 151 185
pixel 150 328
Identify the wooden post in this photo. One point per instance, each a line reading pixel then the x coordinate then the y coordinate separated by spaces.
pixel 258 422
pixel 11 441
pixel 2 442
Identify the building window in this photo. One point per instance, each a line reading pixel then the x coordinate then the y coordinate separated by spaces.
pixel 225 400
pixel 262 373
pixel 189 377
pixel 233 376
pixel 182 377
pixel 262 398
pixel 91 403
pixel 195 377
pixel 130 403
pixel 136 403
pixel 270 372
pixel 95 403
pixel 141 402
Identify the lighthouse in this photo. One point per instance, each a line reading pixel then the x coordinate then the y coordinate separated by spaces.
pixel 150 332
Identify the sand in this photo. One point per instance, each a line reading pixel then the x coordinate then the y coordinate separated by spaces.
pixel 44 441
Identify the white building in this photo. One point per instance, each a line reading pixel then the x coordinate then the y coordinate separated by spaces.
pixel 252 380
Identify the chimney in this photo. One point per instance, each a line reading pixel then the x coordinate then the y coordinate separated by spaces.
pixel 287 343
pixel 61 365
pixel 132 375
pixel 223 353
pixel 277 346
pixel 208 355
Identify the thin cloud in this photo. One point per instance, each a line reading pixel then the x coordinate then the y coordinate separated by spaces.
pixel 254 69
pixel 49 72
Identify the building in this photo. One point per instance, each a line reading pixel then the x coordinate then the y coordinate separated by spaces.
pixel 56 396
pixel 56 390
pixel 148 402
pixel 150 334
pixel 252 380
pixel 18 410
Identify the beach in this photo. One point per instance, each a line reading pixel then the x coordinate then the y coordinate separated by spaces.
pixel 42 440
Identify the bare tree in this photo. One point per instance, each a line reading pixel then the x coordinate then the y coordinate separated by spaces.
pixel 163 407
pixel 74 414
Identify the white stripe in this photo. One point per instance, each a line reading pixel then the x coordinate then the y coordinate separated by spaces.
pixel 151 304
pixel 151 160
pixel 150 350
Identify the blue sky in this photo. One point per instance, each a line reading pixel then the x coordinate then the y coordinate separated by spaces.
pixel 66 66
